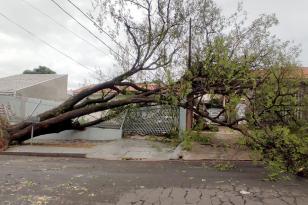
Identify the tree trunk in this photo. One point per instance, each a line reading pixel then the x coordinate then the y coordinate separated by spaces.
pixel 61 118
pixel 4 135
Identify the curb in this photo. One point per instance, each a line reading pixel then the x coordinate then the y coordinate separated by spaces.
pixel 41 154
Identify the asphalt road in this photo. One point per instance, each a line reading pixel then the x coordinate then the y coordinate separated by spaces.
pixel 39 180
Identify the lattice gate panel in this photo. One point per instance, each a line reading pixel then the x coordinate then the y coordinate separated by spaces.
pixel 156 120
pixel 114 123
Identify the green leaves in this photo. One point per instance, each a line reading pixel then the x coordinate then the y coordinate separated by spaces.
pixel 282 150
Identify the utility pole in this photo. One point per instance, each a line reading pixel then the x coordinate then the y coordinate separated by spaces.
pixel 190 97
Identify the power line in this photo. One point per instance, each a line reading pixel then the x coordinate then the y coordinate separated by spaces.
pixel 43 41
pixel 61 25
pixel 59 6
pixel 96 24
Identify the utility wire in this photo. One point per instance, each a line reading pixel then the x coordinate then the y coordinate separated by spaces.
pixel 96 24
pixel 61 25
pixel 43 41
pixel 59 6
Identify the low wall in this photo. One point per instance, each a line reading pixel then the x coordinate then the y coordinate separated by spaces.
pixel 91 133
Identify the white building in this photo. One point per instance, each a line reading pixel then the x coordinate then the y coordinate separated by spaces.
pixel 40 86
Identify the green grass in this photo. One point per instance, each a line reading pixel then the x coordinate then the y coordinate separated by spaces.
pixel 192 136
pixel 223 167
pixel 187 144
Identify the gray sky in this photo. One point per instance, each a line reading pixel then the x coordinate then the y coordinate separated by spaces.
pixel 20 51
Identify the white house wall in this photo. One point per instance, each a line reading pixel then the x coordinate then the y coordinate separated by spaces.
pixel 21 107
pixel 55 89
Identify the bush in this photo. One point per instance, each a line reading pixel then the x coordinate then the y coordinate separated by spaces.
pixel 283 151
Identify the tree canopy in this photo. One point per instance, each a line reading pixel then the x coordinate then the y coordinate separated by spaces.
pixel 40 70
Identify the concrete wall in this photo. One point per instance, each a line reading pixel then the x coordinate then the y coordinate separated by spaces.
pixel 55 90
pixel 22 108
pixel 91 133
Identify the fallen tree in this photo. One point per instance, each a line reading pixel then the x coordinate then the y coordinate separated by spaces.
pixel 227 57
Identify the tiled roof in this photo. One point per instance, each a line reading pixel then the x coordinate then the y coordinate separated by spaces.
pixel 14 83
pixel 149 86
pixel 305 72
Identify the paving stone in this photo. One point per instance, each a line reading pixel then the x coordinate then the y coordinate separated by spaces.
pixel 269 193
pixel 212 192
pixel 226 203
pixel 193 196
pixel 178 195
pixel 289 200
pixel 165 193
pixel 297 193
pixel 153 196
pixel 249 202
pixel 255 190
pixel 302 200
pixel 142 193
pixel 205 201
pixel 238 200
pixel 274 201
pixel 204 197
pixel 127 198
pixel 205 194
pixel 222 196
pixel 215 201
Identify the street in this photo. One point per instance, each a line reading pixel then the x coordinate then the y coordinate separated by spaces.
pixel 43 180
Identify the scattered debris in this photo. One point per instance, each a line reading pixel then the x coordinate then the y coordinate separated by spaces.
pixel 243 192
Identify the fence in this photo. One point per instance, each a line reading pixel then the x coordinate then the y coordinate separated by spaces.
pixel 158 120
pixel 154 120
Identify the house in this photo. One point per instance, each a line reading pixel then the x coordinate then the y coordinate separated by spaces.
pixel 40 86
pixel 22 96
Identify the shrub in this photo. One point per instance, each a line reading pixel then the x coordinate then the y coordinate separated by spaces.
pixel 283 150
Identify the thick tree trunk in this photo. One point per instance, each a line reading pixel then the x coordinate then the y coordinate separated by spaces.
pixel 59 121
pixel 4 139
pixel 4 135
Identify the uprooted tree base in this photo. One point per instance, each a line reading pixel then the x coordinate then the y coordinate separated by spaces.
pixel 4 135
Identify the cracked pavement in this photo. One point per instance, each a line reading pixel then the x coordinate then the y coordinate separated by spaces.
pixel 39 181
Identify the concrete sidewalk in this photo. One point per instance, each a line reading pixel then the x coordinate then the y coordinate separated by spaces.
pixel 224 146
pixel 124 149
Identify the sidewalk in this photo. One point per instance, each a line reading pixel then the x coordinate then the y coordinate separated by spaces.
pixel 224 146
pixel 124 149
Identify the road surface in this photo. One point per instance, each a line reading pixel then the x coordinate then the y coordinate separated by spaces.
pixel 39 180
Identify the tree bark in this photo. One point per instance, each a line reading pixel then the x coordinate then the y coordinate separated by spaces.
pixel 54 121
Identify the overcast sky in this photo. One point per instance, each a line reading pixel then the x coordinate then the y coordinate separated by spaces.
pixel 20 50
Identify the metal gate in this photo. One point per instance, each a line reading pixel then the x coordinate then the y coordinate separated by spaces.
pixel 153 120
